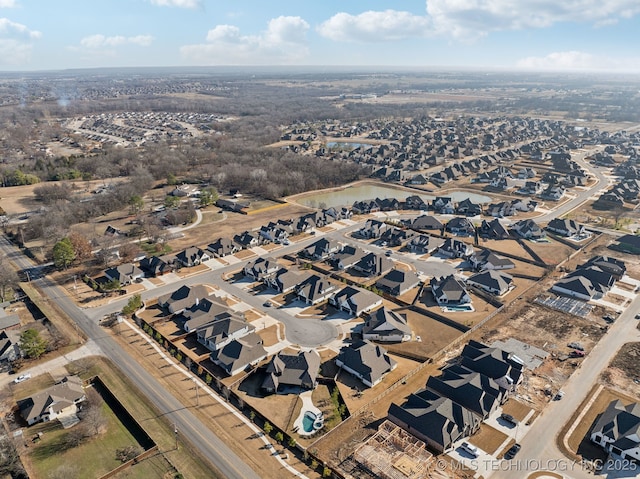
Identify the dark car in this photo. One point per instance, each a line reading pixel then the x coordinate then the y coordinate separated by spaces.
pixel 509 418
pixel 266 304
pixel 513 450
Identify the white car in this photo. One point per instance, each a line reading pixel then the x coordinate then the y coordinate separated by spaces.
pixel 469 449
pixel 22 377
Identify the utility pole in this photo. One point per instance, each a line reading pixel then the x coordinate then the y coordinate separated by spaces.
pixel 197 393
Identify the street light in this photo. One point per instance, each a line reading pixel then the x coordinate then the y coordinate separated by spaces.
pixel 197 394
pixel 175 432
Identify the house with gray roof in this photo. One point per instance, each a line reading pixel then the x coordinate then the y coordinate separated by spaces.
pixel 425 222
pixel 454 248
pixel 261 268
pixel 449 291
pixel 157 265
pixel 529 229
pixel 182 298
pixel 585 283
pixel 285 280
pixel 346 258
pixel 425 244
pixel 385 325
pixel 192 256
pixel 436 420
pixel 493 230
pixel 221 331
pixel 565 227
pixel 487 259
pixel 373 229
pixel 58 401
pixel 460 226
pixel 492 281
pixel 203 312
pixel 321 249
pixel 240 354
pixel 367 361
pixel 397 282
pixel 125 273
pixel 355 301
pixel 373 264
pixel 9 346
pixel 223 247
pixel 287 371
pixel 617 430
pixel 315 289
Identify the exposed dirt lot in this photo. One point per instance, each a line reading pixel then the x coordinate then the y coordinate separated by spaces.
pixel 624 371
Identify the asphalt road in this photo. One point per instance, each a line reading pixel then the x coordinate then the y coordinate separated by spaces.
pixel 210 446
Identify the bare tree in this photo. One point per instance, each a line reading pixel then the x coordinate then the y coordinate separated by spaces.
pixel 8 278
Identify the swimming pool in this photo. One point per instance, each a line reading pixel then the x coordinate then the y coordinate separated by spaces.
pixel 308 421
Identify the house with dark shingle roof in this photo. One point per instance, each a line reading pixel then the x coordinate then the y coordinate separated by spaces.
pixel 492 281
pixel 629 244
pixel 321 249
pixel 373 264
pixel 347 257
pixel 355 301
pixel 474 391
pixel 425 244
pixel 223 247
pixel 493 230
pixel 565 227
pixel 240 354
pixel 285 280
pixel 449 291
pixel 182 298
pixel 221 331
pixel 426 222
pixel 315 289
pixel 617 430
pixel 460 226
pixel 385 325
pixel 204 312
pixel 9 346
pixel 529 229
pixel 157 265
pixel 373 229
pixel 436 420
pixel 397 282
pixel 453 248
pixel 503 367
pixel 192 256
pixel 488 260
pixel 261 268
pixel 292 371
pixel 367 361
pixel 613 266
pixel 60 400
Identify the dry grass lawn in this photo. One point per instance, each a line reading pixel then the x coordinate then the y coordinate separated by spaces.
pixel 517 409
pixel 488 439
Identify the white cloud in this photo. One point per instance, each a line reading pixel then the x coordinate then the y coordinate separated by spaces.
pixel 469 19
pixel 284 41
pixel 375 26
pixel 101 41
pixel 8 4
pixel 580 61
pixel 16 42
pixel 177 3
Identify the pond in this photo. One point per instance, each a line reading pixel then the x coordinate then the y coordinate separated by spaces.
pixel 369 191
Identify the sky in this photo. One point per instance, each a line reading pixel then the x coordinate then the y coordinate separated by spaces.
pixel 540 35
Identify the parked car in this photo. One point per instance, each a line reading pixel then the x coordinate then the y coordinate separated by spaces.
pixel 608 318
pixel 388 252
pixel 513 450
pixel 469 449
pixel 576 346
pixel 267 304
pixel 22 377
pixel 559 395
pixel 576 354
pixel 509 418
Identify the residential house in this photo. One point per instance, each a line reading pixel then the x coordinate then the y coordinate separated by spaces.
pixel 526 173
pixel 425 222
pixel 182 298
pixel 315 289
pixel 492 281
pixel 460 226
pixel 373 264
pixel 474 391
pixel 285 280
pixel 443 205
pixel 365 207
pixel 157 265
pixel 246 240
pixel 222 331
pixel 397 282
pixel 355 301
pixel 203 312
pixel 385 325
pixel 436 420
pixel 613 266
pixel 468 208
pixel 565 227
pixel 453 248
pixel 505 368
pixel 500 210
pixel 373 229
pixel 488 260
pixel 223 247
pixel 529 229
pixel 58 401
pixel 532 188
pixel 272 233
pixel 366 361
pixel 585 283
pixel 553 192
pixel 395 236
pixel 493 230
pixel 618 430
pixel 240 354
pixel 346 258
pixel 525 205
pixel 261 268
pixel 414 202
pixel 425 244
pixel 192 256
pixel 287 371
pixel 629 244
pixel 125 273
pixel 321 249
pixel 9 346
pixel 449 291
pixel 232 205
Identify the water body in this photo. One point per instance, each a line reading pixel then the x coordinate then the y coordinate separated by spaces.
pixel 350 195
pixel 343 145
